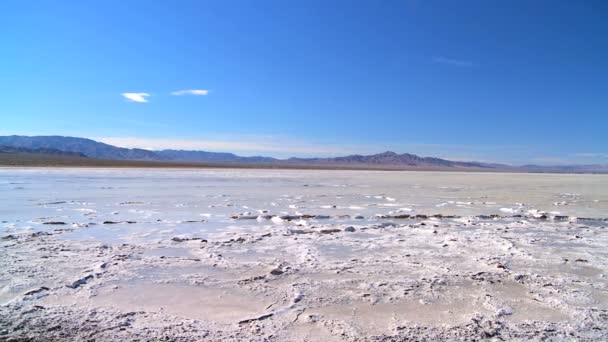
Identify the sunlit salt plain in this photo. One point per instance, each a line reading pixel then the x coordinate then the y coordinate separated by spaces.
pixel 302 255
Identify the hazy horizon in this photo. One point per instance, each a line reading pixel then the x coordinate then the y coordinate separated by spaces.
pixel 212 147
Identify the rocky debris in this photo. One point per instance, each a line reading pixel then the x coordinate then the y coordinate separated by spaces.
pixel 251 279
pixel 79 282
pixel 489 277
pixel 280 269
pixel 386 225
pixel 441 216
pixel 55 223
pixel 299 231
pixel 131 203
pixel 293 217
pixel 330 231
pixel 248 217
pixel 418 216
pixel 276 271
pixel 52 203
pixel 297 298
pixel 349 229
pixel 35 291
pixel 184 239
pixel 120 257
pixel 38 234
pixel 489 217
pixel 259 318
pixel 240 239
pixel 590 219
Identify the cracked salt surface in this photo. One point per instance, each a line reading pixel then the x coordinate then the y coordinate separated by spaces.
pixel 301 255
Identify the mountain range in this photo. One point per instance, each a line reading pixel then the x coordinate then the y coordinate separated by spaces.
pixel 88 148
pixel 43 151
pixel 388 158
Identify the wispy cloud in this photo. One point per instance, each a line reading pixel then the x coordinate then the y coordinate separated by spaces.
pixel 136 97
pixel 195 92
pixel 453 62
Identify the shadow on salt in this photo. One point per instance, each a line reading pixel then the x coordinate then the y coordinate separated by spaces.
pixel 141 232
pixel 339 251
pixel 218 305
pixel 385 317
pixel 173 273
pixel 524 306
pixel 6 293
pixel 169 252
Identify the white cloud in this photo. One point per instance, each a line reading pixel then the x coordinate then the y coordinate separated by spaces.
pixel 195 92
pixel 136 97
pixel 451 61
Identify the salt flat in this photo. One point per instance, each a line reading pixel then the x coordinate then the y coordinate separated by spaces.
pixel 288 255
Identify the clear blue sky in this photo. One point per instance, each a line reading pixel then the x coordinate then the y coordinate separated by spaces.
pixel 507 81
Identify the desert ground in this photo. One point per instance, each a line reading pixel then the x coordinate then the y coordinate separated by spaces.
pixel 138 254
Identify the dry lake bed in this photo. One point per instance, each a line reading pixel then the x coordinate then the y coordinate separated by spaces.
pixel 288 255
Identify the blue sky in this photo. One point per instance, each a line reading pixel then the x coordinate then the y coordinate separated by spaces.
pixel 511 81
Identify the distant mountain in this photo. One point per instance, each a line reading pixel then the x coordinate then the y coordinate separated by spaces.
pixel 40 151
pixel 388 158
pixel 203 156
pixel 94 149
pixel 88 147
pixel 81 147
